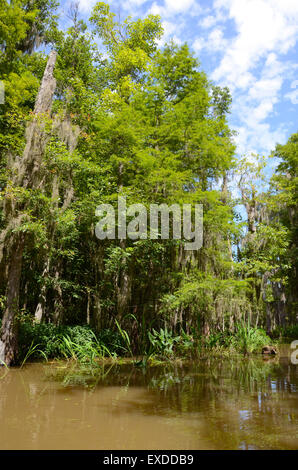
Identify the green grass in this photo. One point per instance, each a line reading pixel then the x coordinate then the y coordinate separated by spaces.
pixel 88 352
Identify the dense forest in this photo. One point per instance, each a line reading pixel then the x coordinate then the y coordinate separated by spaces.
pixel 100 111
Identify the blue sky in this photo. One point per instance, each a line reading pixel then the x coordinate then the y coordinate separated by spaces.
pixel 248 45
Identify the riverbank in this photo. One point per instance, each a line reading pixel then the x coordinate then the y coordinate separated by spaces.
pixel 82 344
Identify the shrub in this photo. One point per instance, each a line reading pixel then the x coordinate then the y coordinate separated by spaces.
pixel 248 339
pixel 51 340
pixel 165 343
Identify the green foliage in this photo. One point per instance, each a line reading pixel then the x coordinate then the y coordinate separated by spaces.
pixel 146 123
pixel 125 338
pixel 163 342
pixel 249 339
pixel 113 341
pixel 33 350
pixel 166 344
pixel 48 337
pixel 290 331
pixel 24 25
pixel 78 342
pixel 217 340
pixel 84 352
pixel 283 205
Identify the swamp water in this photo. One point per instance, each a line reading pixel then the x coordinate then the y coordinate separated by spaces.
pixel 208 404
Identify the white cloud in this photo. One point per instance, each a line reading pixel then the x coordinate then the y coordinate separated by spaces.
pixel 173 8
pixel 253 65
pixel 216 40
pixel 170 32
pixel 156 9
pixel 259 139
pixel 266 88
pixel 87 5
pixel 293 95
pixel 208 21
pixel 178 6
pixel 136 3
pixel 169 28
pixel 198 44
pixel 129 5
pixel 263 26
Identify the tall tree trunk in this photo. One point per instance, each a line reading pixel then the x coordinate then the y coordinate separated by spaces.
pixel 40 309
pixel 58 303
pixel 27 175
pixel 268 319
pixel 9 336
pixel 266 276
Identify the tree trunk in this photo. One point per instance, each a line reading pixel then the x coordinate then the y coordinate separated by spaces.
pixel 29 167
pixel 27 175
pixel 9 330
pixel 58 303
pixel 206 328
pixel 40 309
pixel 268 319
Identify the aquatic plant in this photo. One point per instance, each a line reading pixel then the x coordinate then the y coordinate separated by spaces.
pixel 249 339
pixel 86 352
pixel 31 351
pixel 163 341
pixel 126 339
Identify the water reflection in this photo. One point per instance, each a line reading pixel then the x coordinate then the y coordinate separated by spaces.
pixel 210 404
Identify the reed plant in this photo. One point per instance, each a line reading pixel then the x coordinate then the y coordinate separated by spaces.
pixel 87 352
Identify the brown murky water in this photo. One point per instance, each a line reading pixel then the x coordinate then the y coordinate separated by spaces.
pixel 211 404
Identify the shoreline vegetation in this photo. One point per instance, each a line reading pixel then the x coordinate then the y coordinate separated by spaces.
pixel 82 346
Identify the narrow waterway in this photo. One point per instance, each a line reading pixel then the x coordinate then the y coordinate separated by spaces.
pixel 209 404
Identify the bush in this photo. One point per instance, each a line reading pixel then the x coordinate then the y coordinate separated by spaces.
pixel 112 340
pixel 248 339
pixel 51 339
pixel 166 344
